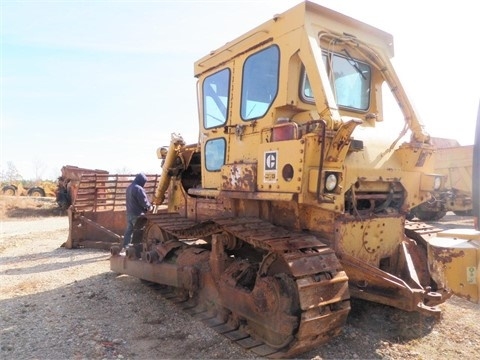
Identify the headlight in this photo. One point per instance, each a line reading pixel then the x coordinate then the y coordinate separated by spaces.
pixel 331 182
pixel 437 183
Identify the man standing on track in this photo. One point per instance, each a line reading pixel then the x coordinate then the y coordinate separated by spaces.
pixel 137 204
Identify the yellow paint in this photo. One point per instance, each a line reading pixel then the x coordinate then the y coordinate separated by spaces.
pixel 456 262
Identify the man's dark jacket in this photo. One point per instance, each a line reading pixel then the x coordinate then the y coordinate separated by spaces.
pixel 137 200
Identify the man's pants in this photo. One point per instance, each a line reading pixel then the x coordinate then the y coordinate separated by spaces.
pixel 127 236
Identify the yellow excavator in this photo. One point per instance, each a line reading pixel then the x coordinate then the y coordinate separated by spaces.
pixel 295 197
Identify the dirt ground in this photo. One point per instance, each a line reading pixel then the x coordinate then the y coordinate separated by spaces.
pixel 57 303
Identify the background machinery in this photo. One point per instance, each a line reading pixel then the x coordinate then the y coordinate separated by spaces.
pixel 38 189
pixel 295 197
pixel 455 253
pixel 454 161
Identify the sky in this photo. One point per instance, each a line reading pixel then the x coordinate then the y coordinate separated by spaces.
pixel 103 84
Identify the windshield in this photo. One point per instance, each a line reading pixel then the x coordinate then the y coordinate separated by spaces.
pixel 350 80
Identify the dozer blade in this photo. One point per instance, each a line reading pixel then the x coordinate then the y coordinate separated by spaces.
pixel 97 216
pixel 455 257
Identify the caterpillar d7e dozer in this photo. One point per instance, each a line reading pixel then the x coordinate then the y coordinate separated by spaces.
pixel 294 199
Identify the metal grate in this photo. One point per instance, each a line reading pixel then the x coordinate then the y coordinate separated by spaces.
pixel 106 192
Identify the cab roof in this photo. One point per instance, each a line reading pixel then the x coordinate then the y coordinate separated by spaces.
pixel 312 17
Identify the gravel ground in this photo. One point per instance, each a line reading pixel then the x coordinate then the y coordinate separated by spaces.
pixel 66 304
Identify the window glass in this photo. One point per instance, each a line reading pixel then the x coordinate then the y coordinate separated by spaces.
pixel 215 154
pixel 260 83
pixel 350 81
pixel 215 99
pixel 307 89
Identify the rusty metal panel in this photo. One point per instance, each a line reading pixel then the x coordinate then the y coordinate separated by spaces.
pixel 319 293
pixel 312 322
pixel 304 242
pixel 163 273
pixel 95 229
pixel 325 261
pixel 106 192
pixel 239 177
pixel 206 208
pixel 455 263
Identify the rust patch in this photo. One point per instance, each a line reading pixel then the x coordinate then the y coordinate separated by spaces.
pixel 239 177
pixel 446 256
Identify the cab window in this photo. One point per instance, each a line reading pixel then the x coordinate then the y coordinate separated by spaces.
pixel 215 99
pixel 350 80
pixel 259 83
pixel 215 154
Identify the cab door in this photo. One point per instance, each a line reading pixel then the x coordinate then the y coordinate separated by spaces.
pixel 214 104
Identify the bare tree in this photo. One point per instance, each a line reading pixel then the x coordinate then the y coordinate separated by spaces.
pixel 10 174
pixel 39 167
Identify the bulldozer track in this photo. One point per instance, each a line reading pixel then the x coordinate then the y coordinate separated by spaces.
pixel 320 284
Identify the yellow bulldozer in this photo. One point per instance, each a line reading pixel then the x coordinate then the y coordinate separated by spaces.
pixel 295 197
